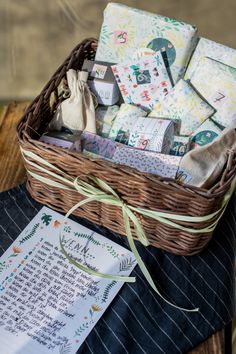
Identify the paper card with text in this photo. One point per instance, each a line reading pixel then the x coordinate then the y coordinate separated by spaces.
pixel 47 305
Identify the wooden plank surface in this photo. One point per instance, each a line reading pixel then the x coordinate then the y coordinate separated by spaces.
pixel 13 173
pixel 12 170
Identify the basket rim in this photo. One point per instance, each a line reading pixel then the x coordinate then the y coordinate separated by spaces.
pixel 217 190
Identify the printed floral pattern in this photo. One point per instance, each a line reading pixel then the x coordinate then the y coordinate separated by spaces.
pixel 211 49
pixel 205 134
pixel 185 105
pixel 152 134
pixel 144 81
pixel 216 82
pixel 146 161
pixel 125 30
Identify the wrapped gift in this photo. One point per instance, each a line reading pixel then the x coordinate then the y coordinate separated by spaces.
pixel 217 83
pixel 163 114
pixel 125 30
pixel 152 134
pixel 101 81
pixel 61 139
pixel 211 49
pixel 105 116
pixel 147 161
pixel 95 144
pixel 144 81
pixel 205 134
pixel 183 103
pixel 124 121
pixel 180 146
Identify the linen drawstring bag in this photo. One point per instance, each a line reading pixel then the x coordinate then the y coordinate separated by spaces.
pixel 76 113
pixel 202 166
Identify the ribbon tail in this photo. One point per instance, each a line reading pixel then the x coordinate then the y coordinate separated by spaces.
pixel 79 265
pixel 142 265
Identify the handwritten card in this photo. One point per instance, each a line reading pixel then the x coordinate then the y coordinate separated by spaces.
pixel 47 305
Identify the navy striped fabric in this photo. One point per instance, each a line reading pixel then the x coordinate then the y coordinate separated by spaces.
pixel 138 321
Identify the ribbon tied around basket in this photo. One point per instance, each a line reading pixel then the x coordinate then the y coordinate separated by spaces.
pixel 105 194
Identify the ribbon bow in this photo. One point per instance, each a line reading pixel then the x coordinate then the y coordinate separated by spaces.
pixel 105 194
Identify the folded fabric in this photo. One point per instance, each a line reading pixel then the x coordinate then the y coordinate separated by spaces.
pixel 105 117
pixel 202 166
pixel 184 104
pixel 76 113
pixel 211 49
pixel 126 29
pixel 124 121
pixel 205 134
pixel 217 83
pixel 180 146
pixel 152 134
pixel 147 161
pixel 143 81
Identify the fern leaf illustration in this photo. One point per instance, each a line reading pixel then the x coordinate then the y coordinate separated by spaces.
pixel 107 290
pixel 30 234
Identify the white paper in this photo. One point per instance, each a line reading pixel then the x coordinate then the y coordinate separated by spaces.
pixel 48 305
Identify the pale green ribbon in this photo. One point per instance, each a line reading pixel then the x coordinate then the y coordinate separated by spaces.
pixel 105 194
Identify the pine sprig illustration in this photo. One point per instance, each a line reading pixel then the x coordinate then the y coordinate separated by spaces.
pixel 107 290
pixel 30 234
pixel 65 348
pixel 88 237
pixel 2 266
pixel 112 251
pixel 82 328
pixel 126 264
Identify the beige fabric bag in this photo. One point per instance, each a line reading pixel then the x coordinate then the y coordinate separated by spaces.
pixel 77 112
pixel 202 166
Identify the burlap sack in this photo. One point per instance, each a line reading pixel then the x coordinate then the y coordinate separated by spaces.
pixel 202 166
pixel 77 113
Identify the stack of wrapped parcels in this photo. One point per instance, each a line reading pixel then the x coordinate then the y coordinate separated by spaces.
pixel 156 98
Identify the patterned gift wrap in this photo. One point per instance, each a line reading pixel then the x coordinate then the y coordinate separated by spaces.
pixel 152 134
pixel 181 145
pixel 125 30
pixel 217 83
pixel 211 49
pixel 205 134
pixel 143 82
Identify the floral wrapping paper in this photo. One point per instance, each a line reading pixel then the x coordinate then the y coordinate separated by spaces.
pixel 105 117
pixel 147 161
pixel 217 83
pixel 144 81
pixel 211 49
pixel 96 145
pixel 152 134
pixel 205 134
pixel 124 121
pixel 125 30
pixel 185 105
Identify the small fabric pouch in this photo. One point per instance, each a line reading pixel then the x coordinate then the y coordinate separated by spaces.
pixel 185 105
pixel 205 134
pixel 217 83
pixel 124 121
pixel 202 166
pixel 76 113
pixel 105 117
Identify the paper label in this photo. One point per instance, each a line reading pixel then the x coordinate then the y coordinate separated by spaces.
pixel 47 305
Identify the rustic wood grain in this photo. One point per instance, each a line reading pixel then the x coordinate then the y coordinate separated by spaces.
pixel 13 173
pixel 12 170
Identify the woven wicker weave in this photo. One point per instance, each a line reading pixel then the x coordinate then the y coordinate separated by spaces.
pixel 135 188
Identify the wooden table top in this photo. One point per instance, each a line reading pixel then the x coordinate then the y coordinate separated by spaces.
pixel 13 173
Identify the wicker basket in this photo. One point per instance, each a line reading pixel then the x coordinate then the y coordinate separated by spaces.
pixel 135 188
